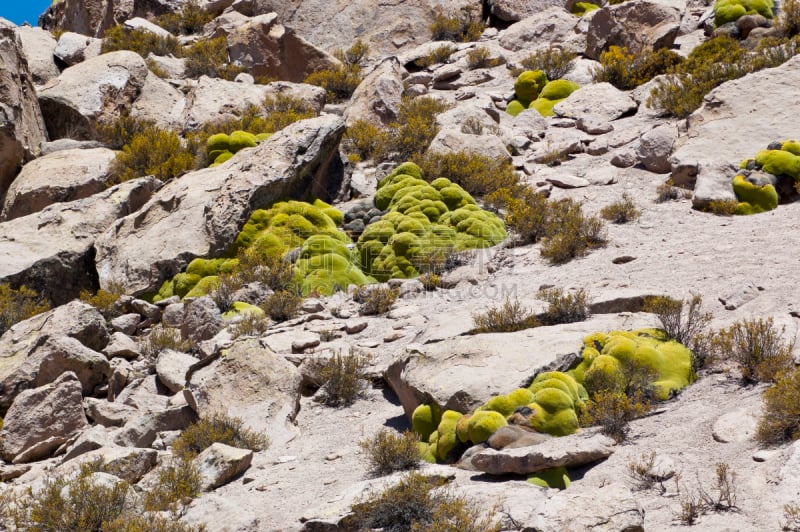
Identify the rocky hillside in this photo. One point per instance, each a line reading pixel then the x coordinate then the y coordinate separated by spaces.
pixel 430 265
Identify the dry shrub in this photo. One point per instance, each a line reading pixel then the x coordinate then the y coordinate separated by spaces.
pixel 669 192
pixel 440 54
pixel 554 62
pixel 791 516
pixel 477 174
pixel 789 22
pixel 564 307
pixel 122 130
pixel 282 305
pixel 142 42
pixel 343 378
pixel 150 523
pixel 217 428
pixel 19 304
pixel 643 472
pixel 366 140
pixel 509 317
pixel 627 70
pixel 375 300
pixel 569 233
pixel 389 451
pixel 480 57
pixel 209 57
pixel 250 324
pixel 723 207
pixel 758 347
pixel 686 322
pixel 154 152
pixel 430 281
pixel 188 20
pixel 622 211
pixel 780 419
pixel 104 300
pixel 258 266
pixel 413 505
pixel 613 411
pixel 340 83
pixel 178 483
pixel 463 28
pixel 161 338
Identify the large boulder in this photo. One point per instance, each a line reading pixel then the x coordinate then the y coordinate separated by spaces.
pixel 377 98
pixel 213 99
pixel 94 92
pixel 644 24
pixel 395 27
pixel 601 102
pixel 58 242
pixel 62 176
pixel 39 46
pixel 94 17
pixel 42 419
pixel 547 27
pixel 267 48
pixel 159 102
pixel 253 383
pixel 516 10
pixel 220 463
pixel 724 131
pixel 28 343
pixel 655 147
pixel 453 141
pixel 200 213
pixel 22 128
pixel 74 48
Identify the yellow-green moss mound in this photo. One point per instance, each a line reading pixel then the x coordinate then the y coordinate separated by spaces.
pixel 545 93
pixel 221 147
pixel 422 217
pixel 731 10
pixel 326 262
pixel 781 160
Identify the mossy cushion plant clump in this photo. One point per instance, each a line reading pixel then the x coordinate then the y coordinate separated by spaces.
pixel 726 11
pixel 532 90
pixel 221 147
pixel 325 262
pixel 422 218
pixel 781 160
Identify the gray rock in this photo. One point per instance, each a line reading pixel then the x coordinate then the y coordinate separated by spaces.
pixel 601 101
pixel 22 128
pixel 172 367
pixel 74 48
pixel 200 213
pixel 516 10
pixel 106 413
pixel 569 451
pixel 612 507
pixel 127 323
pixel 220 463
pixel 550 26
pixel 122 346
pixel 89 440
pixel 739 296
pixel 201 319
pixel 624 158
pixel 377 98
pixel 38 46
pixel 650 23
pixel 69 144
pixel 267 48
pixel 592 126
pixel 142 24
pixel 515 436
pixel 63 176
pixel 655 147
pixel 94 18
pixel 94 92
pixel 173 315
pixel 59 241
pixel 449 141
pixel 159 102
pixel 141 431
pixel 173 67
pixel 738 426
pixel 42 419
pixel 132 464
pixel 146 310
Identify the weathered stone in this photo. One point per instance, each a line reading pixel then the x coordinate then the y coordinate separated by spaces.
pixel 569 451
pixel 257 385
pixel 123 346
pixel 220 463
pixel 655 147
pixel 200 213
pixel 649 23
pixel 516 10
pixel 63 176
pixel 89 440
pixel 738 426
pixel 547 27
pixel 142 24
pixel 38 46
pixel 95 17
pixel 172 367
pixel 94 92
pixel 127 323
pixel 267 48
pixel 377 98
pixel 173 315
pixel 159 102
pixel 601 101
pixel 73 48
pixel 50 414
pixel 515 436
pixel 612 507
pixel 141 431
pixel 131 463
pixel 106 413
pixel 59 241
pixel 201 319
pixel 22 128
pixel 449 141
pixel 739 296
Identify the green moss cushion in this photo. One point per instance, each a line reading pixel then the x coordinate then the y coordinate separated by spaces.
pixel 515 107
pixel 581 8
pixel 422 218
pixel 483 424
pixel 447 440
pixel 221 147
pixel 780 162
pixel 558 89
pixel 528 85
pixel 753 199
pixel 555 477
pixel 731 10
pixel 425 419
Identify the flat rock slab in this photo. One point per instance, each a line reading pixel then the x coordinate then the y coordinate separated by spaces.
pixel 464 372
pixel 738 426
pixel 568 451
pixel 601 102
pixel 612 507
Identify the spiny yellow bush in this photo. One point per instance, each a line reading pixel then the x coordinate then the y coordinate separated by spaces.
pixel 780 419
pixel 463 28
pixel 341 82
pixel 627 70
pixel 153 152
pixel 389 451
pixel 217 428
pixel 188 20
pixel 19 304
pixel 142 42
pixel 104 300
pixel 554 62
pixel 343 378
pixel 209 57
pixel 622 211
pixel 375 300
pixel 564 307
pixel 161 338
pixel 480 57
pixel 121 131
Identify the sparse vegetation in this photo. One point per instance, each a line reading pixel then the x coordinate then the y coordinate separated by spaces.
pixel 477 174
pixel 250 324
pixel 430 281
pixel 669 192
pixel 564 307
pixel 217 428
pixel 569 233
pixel 463 28
pixel 161 338
pixel 554 62
pixel 282 305
pixel 209 57
pixel 389 451
pixel 627 70
pixel 758 347
pixel 440 54
pixel 340 83
pixel 142 42
pixel 723 207
pixel 104 300
pixel 178 483
pixel 509 317
pixel 622 211
pixel 686 322
pixel 480 57
pixel 375 300
pixel 418 503
pixel 780 419
pixel 613 411
pixel 152 151
pixel 188 20
pixel 643 472
pixel 791 518
pixel 19 304
pixel 343 379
